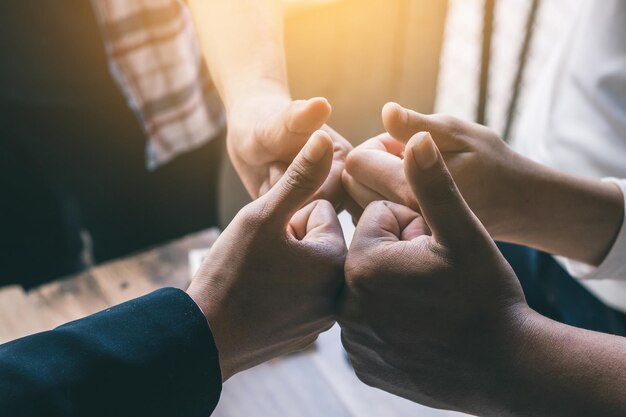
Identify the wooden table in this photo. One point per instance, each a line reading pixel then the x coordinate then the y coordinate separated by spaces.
pixel 318 382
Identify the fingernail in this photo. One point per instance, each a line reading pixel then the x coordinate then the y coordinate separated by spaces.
pixel 400 111
pixel 392 105
pixel 424 151
pixel 315 148
pixel 319 99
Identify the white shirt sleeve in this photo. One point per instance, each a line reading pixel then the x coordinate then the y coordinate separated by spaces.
pixel 614 265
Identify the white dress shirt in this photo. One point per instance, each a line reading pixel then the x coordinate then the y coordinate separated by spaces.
pixel 575 121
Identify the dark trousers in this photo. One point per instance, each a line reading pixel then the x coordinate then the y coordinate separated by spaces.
pixel 552 292
pixel 69 168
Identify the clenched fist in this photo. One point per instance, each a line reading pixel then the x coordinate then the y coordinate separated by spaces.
pixel 432 311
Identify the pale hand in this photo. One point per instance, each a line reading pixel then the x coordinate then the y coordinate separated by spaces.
pixel 484 167
pixel 266 131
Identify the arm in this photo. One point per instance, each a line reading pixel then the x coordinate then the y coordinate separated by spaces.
pixel 518 200
pixel 151 356
pixel 156 355
pixel 563 214
pixel 243 43
pixel 433 312
pixel 564 371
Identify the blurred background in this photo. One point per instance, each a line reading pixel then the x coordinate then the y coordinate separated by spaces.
pixel 73 165
pixel 428 55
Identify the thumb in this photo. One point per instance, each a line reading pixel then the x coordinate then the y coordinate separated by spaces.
pixel 403 123
pixel 297 123
pixel 302 179
pixel 444 209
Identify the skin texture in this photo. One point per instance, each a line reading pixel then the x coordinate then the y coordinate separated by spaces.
pixel 271 282
pixel 517 200
pixel 243 43
pixel 432 312
pixel 424 317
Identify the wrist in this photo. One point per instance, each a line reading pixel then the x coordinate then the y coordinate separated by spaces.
pixel 510 372
pixel 204 304
pixel 498 362
pixel 244 91
pixel 510 214
pixel 562 214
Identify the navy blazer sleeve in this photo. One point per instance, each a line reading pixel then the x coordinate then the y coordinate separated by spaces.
pixel 152 356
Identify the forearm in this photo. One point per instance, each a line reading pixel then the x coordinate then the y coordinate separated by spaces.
pixel 243 44
pixel 564 214
pixel 563 371
pixel 151 356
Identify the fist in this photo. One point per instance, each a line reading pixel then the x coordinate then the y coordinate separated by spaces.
pixel 270 283
pixel 487 171
pixel 431 309
pixel 266 132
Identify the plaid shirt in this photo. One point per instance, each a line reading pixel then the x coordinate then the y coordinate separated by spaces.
pixel 155 57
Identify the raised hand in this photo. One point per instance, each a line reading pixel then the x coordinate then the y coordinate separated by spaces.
pixel 270 283
pixel 432 311
pixel 265 132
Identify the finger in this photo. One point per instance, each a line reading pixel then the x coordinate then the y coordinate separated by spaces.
pixel 353 208
pixel 332 189
pixel 414 229
pixel 303 178
pixel 323 223
pixel 383 173
pixel 359 192
pixel 297 123
pixel 382 222
pixel 403 123
pixel 276 170
pixel 316 221
pixel 384 142
pixel 441 203
pixel 392 145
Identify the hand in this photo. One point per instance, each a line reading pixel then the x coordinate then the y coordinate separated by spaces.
pixel 266 131
pixel 270 283
pixel 432 311
pixel 486 170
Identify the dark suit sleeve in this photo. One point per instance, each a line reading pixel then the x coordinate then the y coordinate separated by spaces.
pixel 153 356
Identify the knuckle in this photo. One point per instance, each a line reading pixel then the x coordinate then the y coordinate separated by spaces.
pixel 375 206
pixel 256 214
pixel 354 160
pixel 299 176
pixel 324 205
pixel 359 274
pixel 446 120
pixel 452 125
